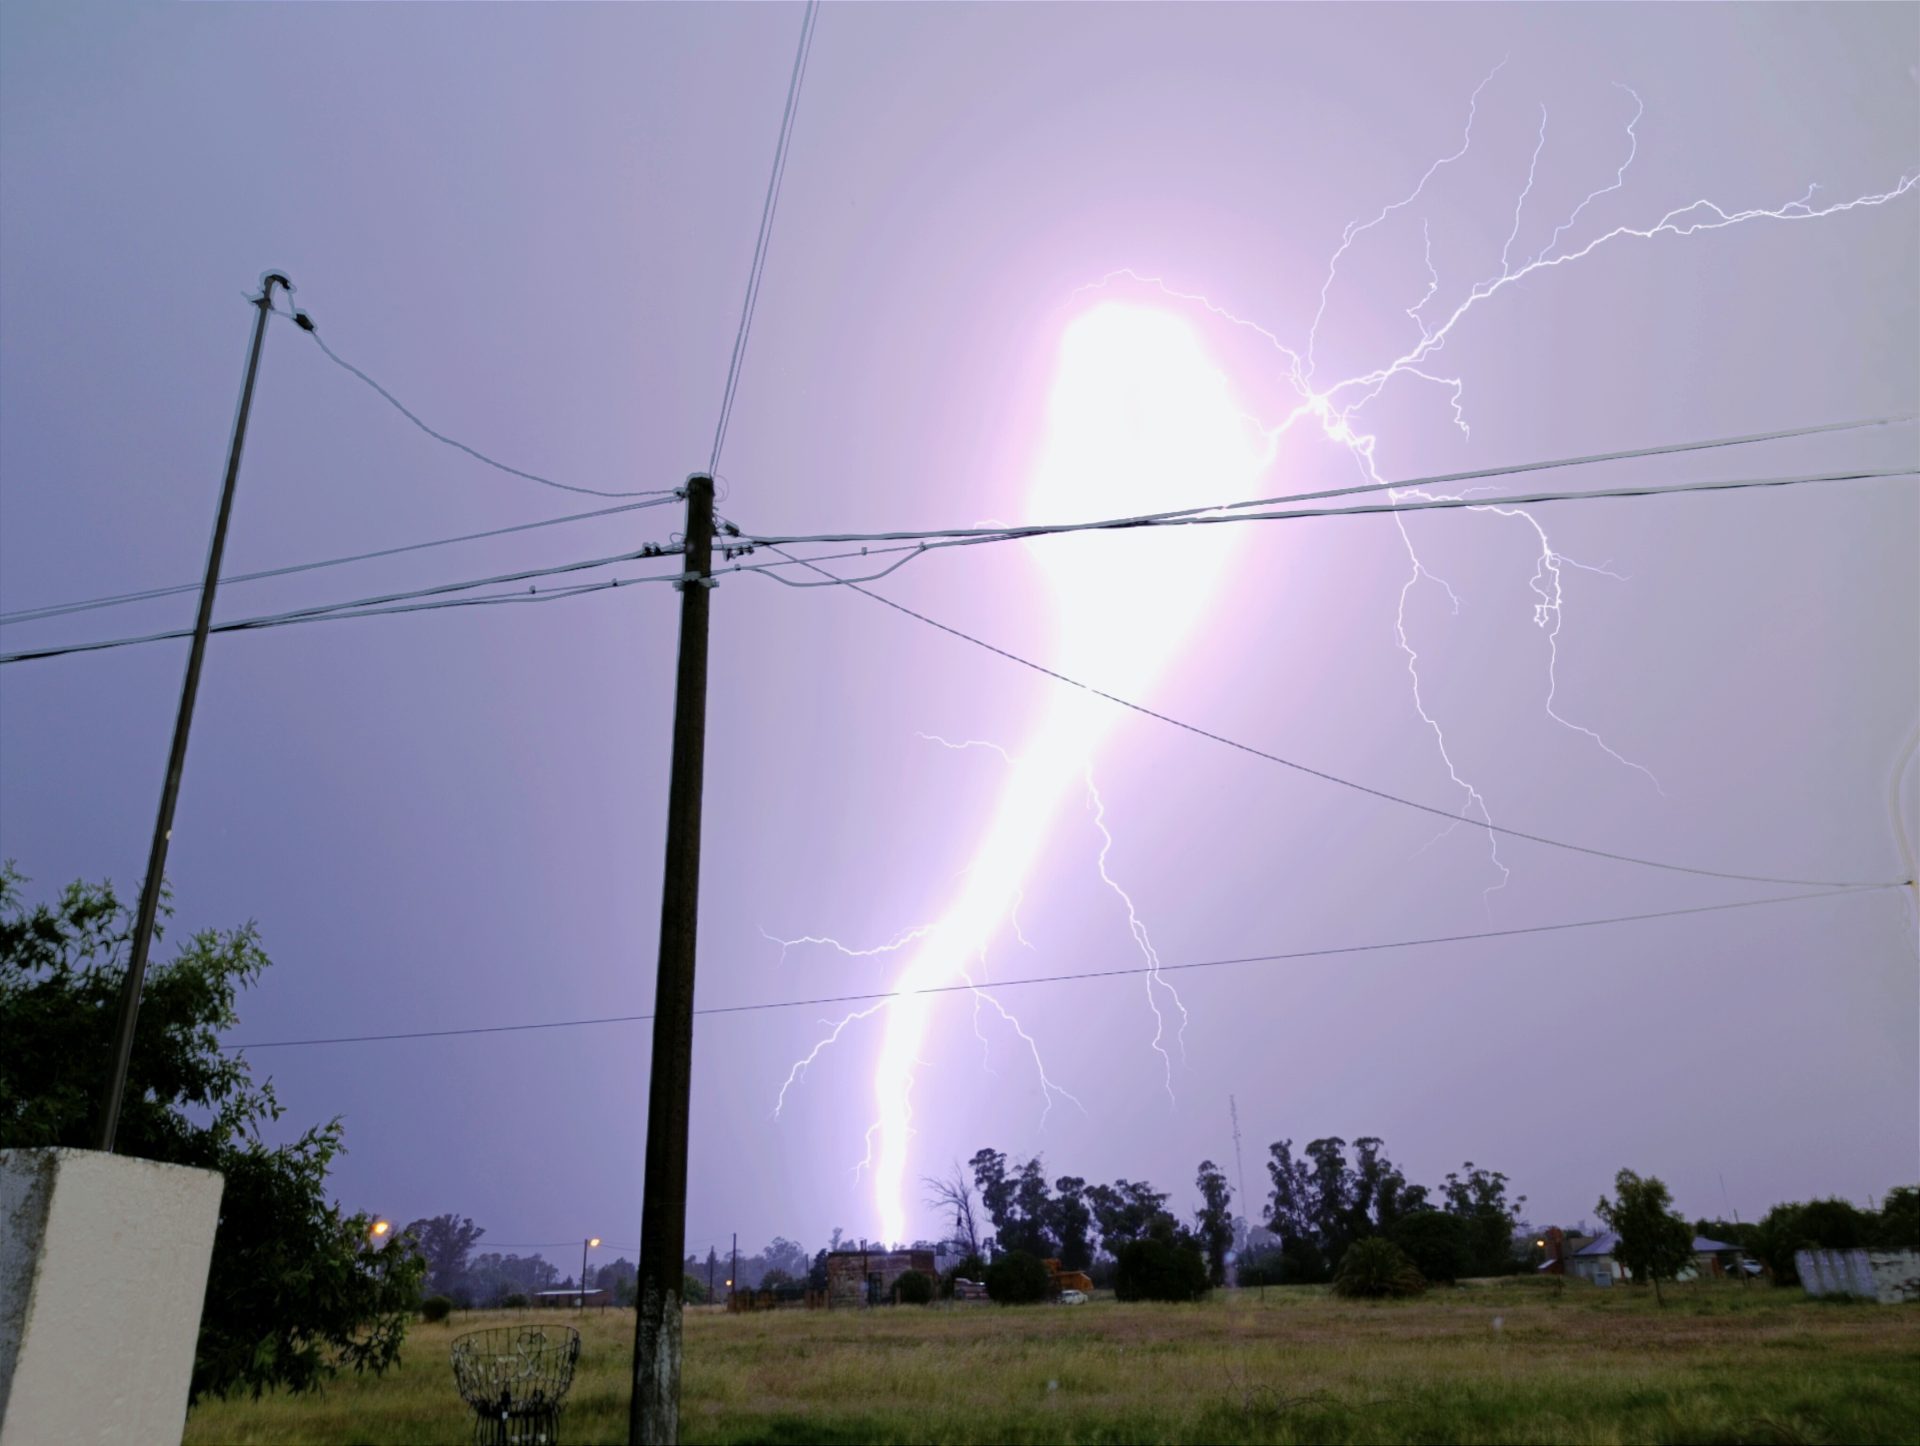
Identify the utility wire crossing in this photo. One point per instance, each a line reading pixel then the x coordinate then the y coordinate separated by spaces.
pixel 305 323
pixel 1080 976
pixel 1452 816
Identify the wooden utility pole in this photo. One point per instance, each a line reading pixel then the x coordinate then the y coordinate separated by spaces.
pixel 654 1412
pixel 114 1087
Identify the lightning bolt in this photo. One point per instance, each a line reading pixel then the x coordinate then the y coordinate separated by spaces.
pixel 1120 366
pixel 1154 979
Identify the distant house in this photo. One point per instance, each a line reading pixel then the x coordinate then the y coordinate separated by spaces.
pixel 556 1298
pixel 1596 1263
pixel 867 1277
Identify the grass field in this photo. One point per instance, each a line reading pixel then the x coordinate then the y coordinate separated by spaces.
pixel 1499 1362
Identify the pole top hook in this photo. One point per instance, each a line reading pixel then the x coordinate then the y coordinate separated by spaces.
pixel 270 279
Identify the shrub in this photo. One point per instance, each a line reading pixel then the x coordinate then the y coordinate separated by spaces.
pixel 1376 1267
pixel 1160 1270
pixel 1017 1278
pixel 514 1300
pixel 693 1290
pixel 435 1308
pixel 1435 1242
pixel 914 1288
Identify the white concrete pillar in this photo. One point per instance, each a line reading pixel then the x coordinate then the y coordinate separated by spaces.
pixel 103 1268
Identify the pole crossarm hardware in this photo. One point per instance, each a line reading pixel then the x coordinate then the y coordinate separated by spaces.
pixel 654 1411
pixel 129 1012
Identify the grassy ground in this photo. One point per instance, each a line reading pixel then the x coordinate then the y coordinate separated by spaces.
pixel 1506 1363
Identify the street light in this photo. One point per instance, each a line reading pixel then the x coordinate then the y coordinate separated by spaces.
pixel 378 1230
pixel 585 1246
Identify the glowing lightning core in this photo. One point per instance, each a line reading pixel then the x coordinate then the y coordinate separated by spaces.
pixel 1139 418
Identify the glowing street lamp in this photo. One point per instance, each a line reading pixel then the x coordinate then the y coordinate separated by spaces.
pixel 585 1246
pixel 379 1229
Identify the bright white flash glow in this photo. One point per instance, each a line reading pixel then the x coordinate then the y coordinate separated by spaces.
pixel 1139 419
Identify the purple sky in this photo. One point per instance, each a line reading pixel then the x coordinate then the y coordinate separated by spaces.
pixel 534 225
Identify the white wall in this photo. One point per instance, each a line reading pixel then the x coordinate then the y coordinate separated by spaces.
pixel 103 1268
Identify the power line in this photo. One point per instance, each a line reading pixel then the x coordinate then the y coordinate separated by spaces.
pixel 52 610
pixel 763 239
pixel 305 323
pixel 1450 815
pixel 1447 479
pixel 913 549
pixel 366 607
pixel 1129 972
pixel 1237 512
pixel 381 605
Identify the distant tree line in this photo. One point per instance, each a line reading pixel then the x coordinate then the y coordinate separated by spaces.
pixel 1829 1224
pixel 1322 1203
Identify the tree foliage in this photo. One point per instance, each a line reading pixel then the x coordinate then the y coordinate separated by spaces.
pixel 1017 1278
pixel 1018 1202
pixel 1479 1199
pixel 1072 1222
pixel 446 1242
pixel 1166 1266
pixel 1215 1219
pixel 1899 1225
pixel 294 1290
pixel 915 1288
pixel 1128 1210
pixel 1376 1267
pixel 1654 1243
pixel 1323 1198
pixel 1436 1242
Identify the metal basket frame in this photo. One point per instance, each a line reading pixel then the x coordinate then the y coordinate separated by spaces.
pixel 514 1378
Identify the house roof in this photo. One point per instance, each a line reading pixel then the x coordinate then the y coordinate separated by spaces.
pixel 1604 1243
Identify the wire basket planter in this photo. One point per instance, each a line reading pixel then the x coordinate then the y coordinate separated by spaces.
pixel 514 1378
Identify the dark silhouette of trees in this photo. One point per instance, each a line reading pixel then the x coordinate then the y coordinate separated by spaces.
pixel 445 1242
pixel 295 1291
pixel 1072 1221
pixel 1127 1210
pixel 1654 1242
pixel 1215 1219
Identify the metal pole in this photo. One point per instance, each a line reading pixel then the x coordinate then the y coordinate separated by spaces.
pixel 654 1412
pixel 583 1274
pixel 733 1270
pixel 129 1012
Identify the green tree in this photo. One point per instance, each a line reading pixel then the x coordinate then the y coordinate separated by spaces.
pixel 1017 1278
pixel 1899 1224
pixel 295 1290
pixel 1793 1226
pixel 1655 1243
pixel 1161 1267
pixel 1215 1219
pixel 1072 1221
pixel 1479 1198
pixel 446 1242
pixel 1376 1267
pixel 1128 1210
pixel 1435 1242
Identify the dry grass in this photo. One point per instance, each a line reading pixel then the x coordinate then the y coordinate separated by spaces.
pixel 1515 1362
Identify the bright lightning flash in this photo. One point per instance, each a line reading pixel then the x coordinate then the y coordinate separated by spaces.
pixel 1139 419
